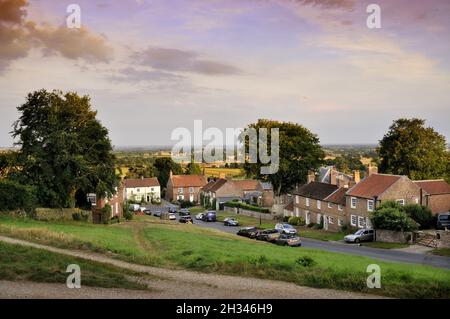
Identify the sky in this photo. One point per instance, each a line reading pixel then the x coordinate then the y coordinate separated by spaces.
pixel 151 66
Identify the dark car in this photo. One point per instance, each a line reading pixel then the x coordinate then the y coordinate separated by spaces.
pixel 291 240
pixel 184 212
pixel 157 213
pixel 268 234
pixel 172 209
pixel 209 216
pixel 443 221
pixel 249 232
pixel 186 220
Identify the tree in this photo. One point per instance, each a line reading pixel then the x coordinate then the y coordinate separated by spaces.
pixel 391 215
pixel 299 151
pixel 193 169
pixel 411 149
pixel 420 214
pixel 163 166
pixel 64 148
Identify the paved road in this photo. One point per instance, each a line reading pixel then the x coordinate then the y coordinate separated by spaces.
pixel 341 247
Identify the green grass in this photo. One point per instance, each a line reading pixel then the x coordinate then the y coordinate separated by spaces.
pixel 441 252
pixel 378 244
pixel 159 243
pixel 196 210
pixel 319 234
pixel 32 264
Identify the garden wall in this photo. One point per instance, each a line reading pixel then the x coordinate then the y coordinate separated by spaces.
pixel 61 214
pixel 249 213
pixel 390 236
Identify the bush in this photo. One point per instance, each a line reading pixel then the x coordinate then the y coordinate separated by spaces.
pixel 296 221
pixel 76 216
pixel 247 206
pixel 128 215
pixel 391 216
pixel 186 204
pixel 310 225
pixel 347 228
pixel 106 214
pixel 305 261
pixel 17 196
pixel 420 214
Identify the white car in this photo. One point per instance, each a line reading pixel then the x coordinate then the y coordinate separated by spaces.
pixel 285 228
pixel 172 216
pixel 199 216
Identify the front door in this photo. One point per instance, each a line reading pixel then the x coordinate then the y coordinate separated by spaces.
pixel 191 197
pixel 325 222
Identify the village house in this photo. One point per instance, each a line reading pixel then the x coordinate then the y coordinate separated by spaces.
pixel 142 189
pixel 435 194
pixel 115 202
pixel 185 187
pixel 330 175
pixel 364 197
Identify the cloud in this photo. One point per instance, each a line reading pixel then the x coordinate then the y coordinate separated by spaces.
pixel 182 61
pixel 342 4
pixel 18 36
pixel 137 75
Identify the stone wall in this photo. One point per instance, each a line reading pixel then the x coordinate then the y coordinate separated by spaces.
pixel 390 236
pixel 443 239
pixel 249 213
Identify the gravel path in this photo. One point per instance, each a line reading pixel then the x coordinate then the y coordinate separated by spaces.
pixel 166 283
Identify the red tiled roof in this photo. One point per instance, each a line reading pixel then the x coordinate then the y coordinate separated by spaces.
pixel 337 197
pixel 373 185
pixel 208 186
pixel 217 185
pixel 433 187
pixel 141 182
pixel 247 184
pixel 189 180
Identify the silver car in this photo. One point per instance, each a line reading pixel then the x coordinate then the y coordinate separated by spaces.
pixel 285 228
pixel 360 235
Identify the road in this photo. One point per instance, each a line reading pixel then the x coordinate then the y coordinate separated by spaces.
pixel 353 249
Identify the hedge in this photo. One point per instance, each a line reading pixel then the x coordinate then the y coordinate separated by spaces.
pixel 62 214
pixel 17 196
pixel 247 206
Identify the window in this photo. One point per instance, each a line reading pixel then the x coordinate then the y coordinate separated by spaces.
pixel 361 222
pixel 401 202
pixel 152 189
pixel 180 197
pixel 368 223
pixel 297 199
pixel 353 202
pixel 330 220
pixel 340 207
pixel 117 208
pixel 370 205
pixel 353 220
pixel 340 222
pixel 416 200
pixel 180 190
pixel 307 201
pixel 330 205
pixel 318 204
pixel 191 190
pixel 138 190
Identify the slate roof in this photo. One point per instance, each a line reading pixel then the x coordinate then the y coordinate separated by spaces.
pixel 316 190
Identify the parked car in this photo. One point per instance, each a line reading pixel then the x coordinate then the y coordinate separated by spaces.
pixel 285 228
pixel 360 235
pixel 134 207
pixel 209 216
pixel 147 212
pixel 199 216
pixel 230 221
pixel 443 221
pixel 249 232
pixel 157 213
pixel 288 240
pixel 268 234
pixel 172 209
pixel 172 216
pixel 186 220
pixel 184 212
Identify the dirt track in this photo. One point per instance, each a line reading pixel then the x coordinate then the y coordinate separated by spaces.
pixel 166 283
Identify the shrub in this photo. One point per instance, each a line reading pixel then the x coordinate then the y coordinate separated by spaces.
pixel 17 196
pixel 247 206
pixel 186 204
pixel 310 225
pixel 128 215
pixel 305 261
pixel 296 221
pixel 347 228
pixel 106 214
pixel 420 214
pixel 391 216
pixel 76 216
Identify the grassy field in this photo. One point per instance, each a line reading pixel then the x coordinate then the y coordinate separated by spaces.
pixel 26 263
pixel 215 172
pixel 149 240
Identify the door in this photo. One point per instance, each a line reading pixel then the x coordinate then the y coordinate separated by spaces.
pixel 325 222
pixel 191 197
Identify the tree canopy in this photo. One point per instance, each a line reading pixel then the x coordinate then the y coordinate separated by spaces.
pixel 409 148
pixel 299 151
pixel 64 148
pixel 164 165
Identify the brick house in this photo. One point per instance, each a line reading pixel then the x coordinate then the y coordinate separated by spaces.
pixel 330 175
pixel 185 187
pixel 364 197
pixel 435 194
pixel 256 192
pixel 220 191
pixel 115 201
pixel 146 189
pixel 334 210
pixel 309 202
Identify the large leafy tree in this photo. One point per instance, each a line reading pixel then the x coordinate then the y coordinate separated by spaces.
pixel 299 151
pixel 163 166
pixel 64 148
pixel 409 148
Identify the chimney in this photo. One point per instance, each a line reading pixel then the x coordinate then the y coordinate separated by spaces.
pixel 371 170
pixel 311 177
pixel 333 176
pixel 356 176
